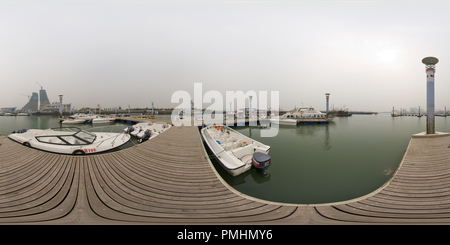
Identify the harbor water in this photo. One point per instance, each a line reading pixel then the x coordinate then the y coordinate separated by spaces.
pixel 322 163
pixel 311 164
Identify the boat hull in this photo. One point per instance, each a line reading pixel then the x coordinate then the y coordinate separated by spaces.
pixel 73 121
pixel 284 121
pixel 233 151
pixel 103 120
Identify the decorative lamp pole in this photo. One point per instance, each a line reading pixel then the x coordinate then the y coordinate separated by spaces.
pixel 430 64
pixel 60 104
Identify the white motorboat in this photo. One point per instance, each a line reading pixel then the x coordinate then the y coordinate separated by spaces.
pixel 135 129
pixel 240 114
pixel 152 131
pixel 147 130
pixel 73 121
pixel 76 119
pixel 300 114
pixel 86 117
pixel 98 119
pixel 230 115
pixel 236 152
pixel 69 140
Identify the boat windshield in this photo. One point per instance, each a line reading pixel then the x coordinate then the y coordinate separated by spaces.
pixel 68 136
pixel 86 136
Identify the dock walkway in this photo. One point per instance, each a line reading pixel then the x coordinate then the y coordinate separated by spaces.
pixel 170 180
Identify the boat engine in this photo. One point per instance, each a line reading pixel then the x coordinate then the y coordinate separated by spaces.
pixel 146 136
pixel 20 131
pixel 261 161
pixel 129 129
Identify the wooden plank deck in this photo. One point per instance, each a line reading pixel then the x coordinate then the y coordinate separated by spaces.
pixel 167 180
pixel 170 180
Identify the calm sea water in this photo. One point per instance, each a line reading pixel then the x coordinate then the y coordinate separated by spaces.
pixel 345 159
pixel 311 164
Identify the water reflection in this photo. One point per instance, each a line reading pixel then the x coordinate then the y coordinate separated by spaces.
pixel 326 141
pixel 255 177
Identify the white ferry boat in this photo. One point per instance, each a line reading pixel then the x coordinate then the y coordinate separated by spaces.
pixel 301 114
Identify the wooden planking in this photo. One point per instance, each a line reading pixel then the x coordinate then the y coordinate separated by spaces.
pixel 169 180
pixel 142 184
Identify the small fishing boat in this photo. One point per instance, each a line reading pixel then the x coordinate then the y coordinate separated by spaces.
pixel 69 140
pixel 236 152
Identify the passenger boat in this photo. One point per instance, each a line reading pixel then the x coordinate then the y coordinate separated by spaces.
pixel 69 140
pixel 305 114
pixel 237 153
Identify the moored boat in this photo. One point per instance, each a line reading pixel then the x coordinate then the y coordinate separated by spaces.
pixel 98 119
pixel 73 121
pixel 69 140
pixel 301 114
pixel 147 130
pixel 236 152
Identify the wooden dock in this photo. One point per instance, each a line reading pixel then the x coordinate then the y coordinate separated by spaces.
pixel 145 185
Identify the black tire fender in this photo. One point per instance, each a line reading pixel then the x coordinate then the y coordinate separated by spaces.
pixel 78 152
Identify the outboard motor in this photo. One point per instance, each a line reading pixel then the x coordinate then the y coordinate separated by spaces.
pixel 19 131
pixel 146 136
pixel 129 129
pixel 261 161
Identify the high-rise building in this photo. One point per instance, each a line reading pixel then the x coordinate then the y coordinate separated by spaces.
pixel 43 99
pixel 32 104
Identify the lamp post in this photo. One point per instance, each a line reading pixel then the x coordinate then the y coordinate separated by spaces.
pixel 430 65
pixel 60 104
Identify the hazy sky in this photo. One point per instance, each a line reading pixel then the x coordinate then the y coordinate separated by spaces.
pixel 367 54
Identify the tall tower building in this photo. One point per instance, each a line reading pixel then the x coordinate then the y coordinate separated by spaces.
pixel 32 104
pixel 430 64
pixel 328 98
pixel 43 99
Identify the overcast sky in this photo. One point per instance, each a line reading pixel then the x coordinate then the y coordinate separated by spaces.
pixel 367 54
